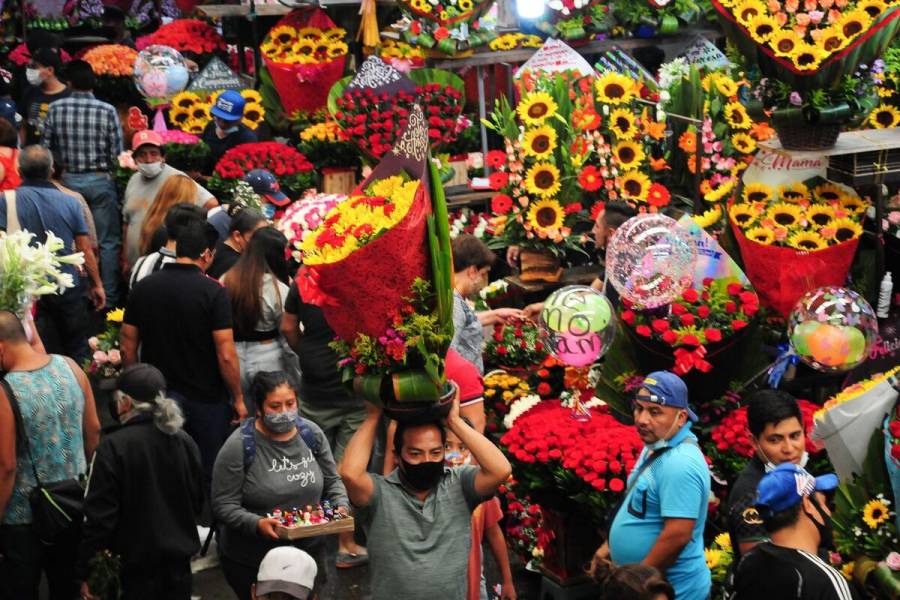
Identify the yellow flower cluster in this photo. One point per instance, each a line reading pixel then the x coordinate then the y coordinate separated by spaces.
pixel 511 41
pixel 797 217
pixel 113 60
pixel 853 391
pixel 115 316
pixel 397 49
pixel 189 111
pixel 501 385
pixel 306 46
pixel 358 220
pixel 326 131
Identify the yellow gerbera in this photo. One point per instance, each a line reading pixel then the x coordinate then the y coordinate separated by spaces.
pixel 807 57
pixel 336 49
pixel 628 154
pixel 853 205
pixel 832 39
pixel 178 115
pixel 845 229
pixel 283 35
pixel 820 214
pixel 854 22
pixel 762 27
pixel 743 143
pixel 723 541
pixel 793 192
pixel 536 107
pixel 251 96
pixel 545 215
pixel 709 217
pixel 884 116
pixel 783 42
pixel 310 33
pixel 540 142
pixel 615 88
pixel 757 192
pixel 761 235
pixel 742 214
pixel 875 513
pixel 807 240
pixel 785 214
pixel 185 100
pixel 828 192
pixel 634 185
pixel 873 7
pixel 622 124
pixel 542 180
pixel 747 10
pixel 726 86
pixel 737 116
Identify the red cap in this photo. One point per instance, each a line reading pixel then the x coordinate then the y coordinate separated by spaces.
pixel 465 375
pixel 147 137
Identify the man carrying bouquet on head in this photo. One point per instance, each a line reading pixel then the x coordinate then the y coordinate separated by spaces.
pixel 660 521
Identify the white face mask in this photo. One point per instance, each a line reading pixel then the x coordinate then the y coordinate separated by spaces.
pixel 150 170
pixel 770 466
pixel 34 76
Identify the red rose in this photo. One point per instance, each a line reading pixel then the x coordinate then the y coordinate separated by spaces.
pixel 678 309
pixel 895 451
pixel 749 298
pixel 713 335
pixel 690 295
pixel 501 204
pixel 643 330
pixel 498 180
pixel 730 307
pixel 687 320
pixel 707 281
pixel 628 317
pixel 543 373
pixel 703 312
pixel 501 350
pixel 555 454
pixel 543 389
pixel 734 289
pixel 738 324
pixel 750 309
pixel 616 485
pixel 599 484
pixel 660 325
pixel 670 337
pixel 895 428
pixel 690 340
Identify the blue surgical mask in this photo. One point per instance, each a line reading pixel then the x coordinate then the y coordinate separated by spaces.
pixel 280 422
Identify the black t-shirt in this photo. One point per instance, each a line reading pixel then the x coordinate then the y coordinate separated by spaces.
pixel 35 106
pixel 219 146
pixel 224 259
pixel 176 311
pixel 773 572
pixel 744 522
pixel 321 380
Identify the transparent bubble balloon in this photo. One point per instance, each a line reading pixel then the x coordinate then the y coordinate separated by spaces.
pixel 577 324
pixel 650 260
pixel 832 329
pixel 160 72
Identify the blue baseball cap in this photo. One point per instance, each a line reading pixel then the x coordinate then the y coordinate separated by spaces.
pixel 229 106
pixel 668 389
pixel 266 185
pixel 787 485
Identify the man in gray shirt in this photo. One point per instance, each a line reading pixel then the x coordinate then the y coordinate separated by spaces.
pixel 418 518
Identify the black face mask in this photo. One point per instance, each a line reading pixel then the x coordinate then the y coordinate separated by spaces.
pixel 423 476
pixel 826 534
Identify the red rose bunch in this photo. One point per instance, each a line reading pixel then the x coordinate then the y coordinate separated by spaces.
pixel 373 119
pixel 515 344
pixel 185 35
pixel 290 167
pixel 20 55
pixel 525 530
pixel 894 429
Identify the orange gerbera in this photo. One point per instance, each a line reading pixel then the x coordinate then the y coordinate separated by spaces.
pixel 761 131
pixel 688 142
pixel 659 164
pixel 585 119
pixel 651 127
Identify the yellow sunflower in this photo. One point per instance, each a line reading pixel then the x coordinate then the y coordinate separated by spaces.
pixel 742 214
pixel 336 49
pixel 828 192
pixel 875 513
pixel 634 185
pixel 884 116
pixel 874 8
pixel 757 192
pixel 726 86
pixel 536 107
pixel 542 180
pixel 807 240
pixel 709 217
pixel 254 114
pixel 464 5
pixel 845 229
pixel 761 235
pixel 820 214
pixel 185 100
pixel 283 35
pixel 716 194
pixel 269 48
pixel 503 43
pixel 628 154
pixel 540 142
pixel 737 116
pixel 807 57
pixel 310 33
pixel 615 88
pixel 622 124
pixel 747 10
pixel 853 205
pixel 793 192
pixel 545 215
pixel 743 143
pixel 762 27
pixel 786 215
pixel 335 34
pixel 195 126
pixel 532 41
pixel 251 96
pixel 783 42
pixel 200 111
pixel 854 22
pixel 178 115
pixel 304 48
pixel 832 39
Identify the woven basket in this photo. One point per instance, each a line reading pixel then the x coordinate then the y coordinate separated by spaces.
pixel 806 136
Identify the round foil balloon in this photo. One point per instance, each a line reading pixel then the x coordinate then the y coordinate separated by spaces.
pixel 160 72
pixel 577 324
pixel 650 260
pixel 832 329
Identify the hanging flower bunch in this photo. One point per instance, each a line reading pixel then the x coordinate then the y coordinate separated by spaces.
pixel 29 269
pixel 798 217
pixel 106 360
pixel 327 145
pixel 303 217
pixel 20 56
pixel 305 45
pixel 192 37
pixel 189 111
pixel 511 41
pixel 501 390
pixel 515 344
pixel 294 173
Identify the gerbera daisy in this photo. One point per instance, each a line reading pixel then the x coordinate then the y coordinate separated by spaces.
pixel 743 143
pixel 807 57
pixel 251 96
pixel 687 141
pixel 783 42
pixel 589 179
pixel 872 7
pixel 832 39
pixel 709 217
pixel 793 192
pixel 310 33
pixel 540 141
pixel 784 214
pixel 185 100
pixel 615 88
pixel 536 107
pixel 853 22
pixel 820 214
pixel 828 192
pixel 853 205
pixel 884 116
pixel 761 235
pixel 634 185
pixel 807 240
pixel 757 192
pixel 283 35
pixel 747 10
pixel 658 195
pixel 336 49
pixel 546 214
pixel 742 214
pixel 737 116
pixel 622 124
pixel 875 513
pixel 845 229
pixel 542 180
pixel 628 154
pixel 762 27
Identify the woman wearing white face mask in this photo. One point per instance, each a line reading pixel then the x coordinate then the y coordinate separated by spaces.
pixel 45 89
pixel 275 459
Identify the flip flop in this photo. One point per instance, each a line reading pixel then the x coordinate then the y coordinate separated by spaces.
pixel 346 560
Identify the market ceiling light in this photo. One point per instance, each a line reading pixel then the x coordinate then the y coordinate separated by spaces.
pixel 530 9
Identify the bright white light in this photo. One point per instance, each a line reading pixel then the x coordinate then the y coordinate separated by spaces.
pixel 530 9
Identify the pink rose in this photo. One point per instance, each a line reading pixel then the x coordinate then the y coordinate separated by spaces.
pixel 94 343
pixel 894 217
pixel 893 561
pixel 100 357
pixel 115 357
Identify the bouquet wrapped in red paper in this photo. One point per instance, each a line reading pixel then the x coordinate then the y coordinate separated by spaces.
pixel 379 267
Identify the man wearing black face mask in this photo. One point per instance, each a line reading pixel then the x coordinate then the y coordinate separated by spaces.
pixel 791 503
pixel 418 518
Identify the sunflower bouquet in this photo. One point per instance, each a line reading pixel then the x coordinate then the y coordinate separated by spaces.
pixel 305 45
pixel 719 556
pixel 113 64
pixel 189 111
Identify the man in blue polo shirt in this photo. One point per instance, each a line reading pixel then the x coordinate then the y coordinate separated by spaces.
pixel 660 522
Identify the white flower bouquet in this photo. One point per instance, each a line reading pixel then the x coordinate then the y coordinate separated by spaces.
pixel 29 270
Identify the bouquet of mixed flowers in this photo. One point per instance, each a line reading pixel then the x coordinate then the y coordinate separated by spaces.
pixel 113 64
pixel 447 26
pixel 327 145
pixel 303 217
pixel 30 269
pixel 294 173
pixel 813 227
pixel 501 391
pixel 189 111
pixel 492 294
pixel 193 38
pixel 719 556
pixel 467 220
pixel 401 56
pixel 516 345
pixel 106 360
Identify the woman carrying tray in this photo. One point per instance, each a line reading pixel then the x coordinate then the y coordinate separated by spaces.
pixel 275 460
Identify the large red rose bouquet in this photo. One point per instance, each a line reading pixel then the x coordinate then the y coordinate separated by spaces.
pixel 294 173
pixel 192 37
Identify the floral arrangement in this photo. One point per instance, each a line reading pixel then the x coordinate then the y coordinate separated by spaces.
pixel 192 37
pixel 501 391
pixel 856 390
pixel 711 315
pixel 31 269
pixel 303 217
pixel 305 45
pixel 401 56
pixel 511 41
pixel 466 220
pixel 106 360
pixel 719 557
pixel 525 530
pixel 189 111
pixel 113 64
pixel 446 26
pixel 243 195
pixel 20 55
pixel 491 294
pixel 515 344
pixel 890 225
pixel 327 145
pixel 293 171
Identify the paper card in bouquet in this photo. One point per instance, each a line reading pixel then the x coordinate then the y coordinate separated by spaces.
pixel 376 75
pixel 556 56
pixel 216 76
pixel 298 532
pixel 712 261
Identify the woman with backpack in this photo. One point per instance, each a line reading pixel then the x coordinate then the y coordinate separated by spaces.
pixel 277 460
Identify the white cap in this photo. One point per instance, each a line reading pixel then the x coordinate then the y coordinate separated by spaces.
pixel 286 569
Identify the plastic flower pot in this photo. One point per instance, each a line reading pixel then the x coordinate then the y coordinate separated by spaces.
pixel 419 412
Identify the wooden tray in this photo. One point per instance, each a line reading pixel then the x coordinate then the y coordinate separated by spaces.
pixel 305 531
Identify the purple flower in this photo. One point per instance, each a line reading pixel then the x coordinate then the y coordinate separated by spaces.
pixel 795 99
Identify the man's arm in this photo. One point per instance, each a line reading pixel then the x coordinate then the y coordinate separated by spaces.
pixel 98 295
pixel 129 338
pixel 497 542
pixel 90 423
pixel 360 485
pixel 495 468
pixel 675 535
pixel 230 369
pixel 7 452
pixel 290 329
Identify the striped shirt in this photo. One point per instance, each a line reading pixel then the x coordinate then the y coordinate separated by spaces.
pixel 770 571
pixel 149 264
pixel 83 133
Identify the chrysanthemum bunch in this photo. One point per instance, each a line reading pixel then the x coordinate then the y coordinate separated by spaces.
pixel 304 46
pixel 189 111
